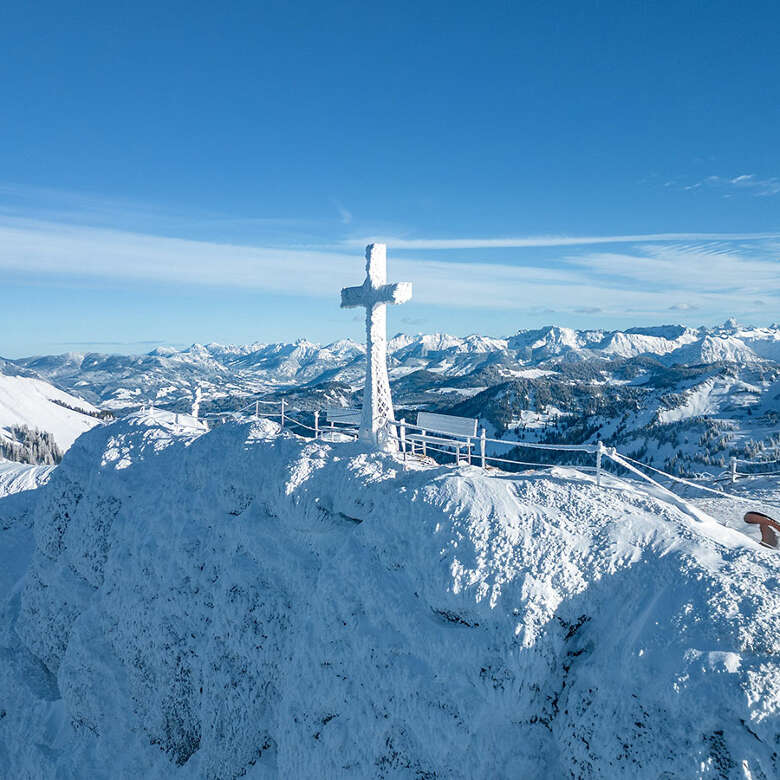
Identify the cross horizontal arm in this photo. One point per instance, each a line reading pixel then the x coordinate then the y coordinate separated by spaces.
pixel 400 292
pixel 351 297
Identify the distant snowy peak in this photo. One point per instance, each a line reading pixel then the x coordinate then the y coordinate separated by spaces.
pixel 764 342
pixel 558 340
pixel 628 345
pixel 714 349
pixel 424 345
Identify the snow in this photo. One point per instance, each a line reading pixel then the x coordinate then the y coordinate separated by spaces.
pixel 710 396
pixel 529 419
pixel 629 345
pixel 237 371
pixel 530 373
pixel 29 401
pixel 713 348
pixel 244 601
pixel 464 392
pixel 16 477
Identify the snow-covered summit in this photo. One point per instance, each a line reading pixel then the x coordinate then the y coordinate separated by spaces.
pixel 244 602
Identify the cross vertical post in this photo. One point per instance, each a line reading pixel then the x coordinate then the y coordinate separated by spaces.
pixel 374 294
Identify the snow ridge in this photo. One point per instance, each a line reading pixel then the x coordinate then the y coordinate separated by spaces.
pixel 244 601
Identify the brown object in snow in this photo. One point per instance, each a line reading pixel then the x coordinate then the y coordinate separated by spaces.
pixel 768 527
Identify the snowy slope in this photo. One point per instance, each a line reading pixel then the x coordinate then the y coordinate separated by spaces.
pixel 16 477
pixel 29 401
pixel 246 602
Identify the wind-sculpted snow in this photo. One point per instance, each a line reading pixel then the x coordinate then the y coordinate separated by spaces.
pixel 246 602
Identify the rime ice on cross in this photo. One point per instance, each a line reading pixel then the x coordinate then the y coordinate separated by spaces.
pixel 375 294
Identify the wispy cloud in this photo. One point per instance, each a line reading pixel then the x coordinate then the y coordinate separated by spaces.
pixel 552 241
pixel 39 247
pixel 344 214
pixel 63 206
pixel 145 343
pixel 649 277
pixel 770 186
pixel 727 186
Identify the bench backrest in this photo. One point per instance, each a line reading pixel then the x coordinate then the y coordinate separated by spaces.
pixel 344 415
pixel 447 423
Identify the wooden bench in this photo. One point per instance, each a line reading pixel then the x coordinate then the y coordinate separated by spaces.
pixel 343 416
pixel 446 430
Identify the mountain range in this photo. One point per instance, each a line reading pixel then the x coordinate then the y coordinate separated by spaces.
pixel 683 398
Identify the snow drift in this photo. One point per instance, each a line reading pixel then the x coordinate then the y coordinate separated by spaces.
pixel 244 602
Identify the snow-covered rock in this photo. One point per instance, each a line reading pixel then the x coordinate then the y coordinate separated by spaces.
pixel 244 602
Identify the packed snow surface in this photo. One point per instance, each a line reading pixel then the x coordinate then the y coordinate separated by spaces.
pixel 246 603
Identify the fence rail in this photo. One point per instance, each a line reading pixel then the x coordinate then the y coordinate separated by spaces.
pixel 399 430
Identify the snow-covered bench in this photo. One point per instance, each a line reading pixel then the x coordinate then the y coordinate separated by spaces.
pixel 445 430
pixel 344 417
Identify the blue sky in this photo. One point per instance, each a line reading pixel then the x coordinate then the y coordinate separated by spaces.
pixel 203 173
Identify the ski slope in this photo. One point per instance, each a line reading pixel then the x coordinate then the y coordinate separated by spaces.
pixel 246 603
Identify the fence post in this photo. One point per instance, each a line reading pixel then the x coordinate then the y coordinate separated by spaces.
pixel 733 469
pixel 599 453
pixel 402 426
pixel 316 424
pixel 422 433
pixel 482 448
pixel 282 418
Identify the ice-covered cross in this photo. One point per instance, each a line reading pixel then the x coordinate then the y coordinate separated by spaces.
pixel 375 293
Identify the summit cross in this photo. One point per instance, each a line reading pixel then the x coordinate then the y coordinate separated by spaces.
pixel 375 293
